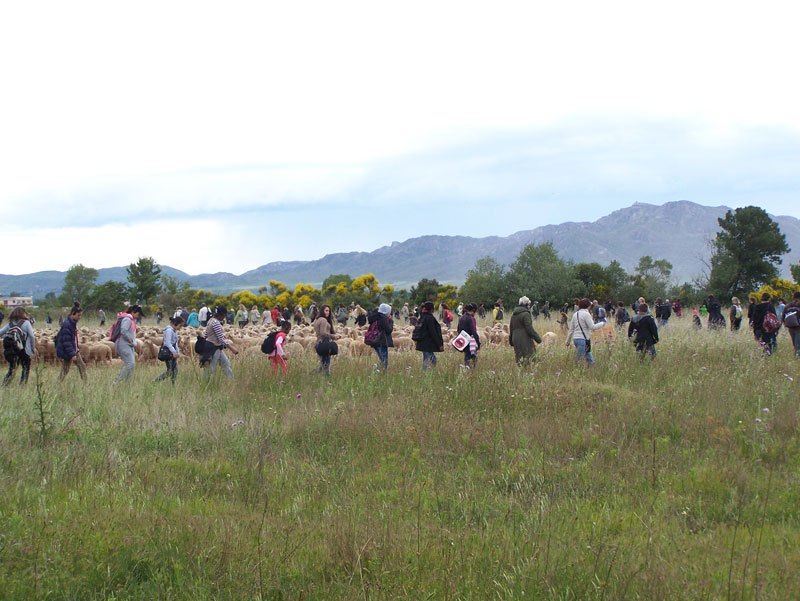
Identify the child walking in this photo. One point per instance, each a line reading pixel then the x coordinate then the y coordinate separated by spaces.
pixel 278 356
pixel 171 344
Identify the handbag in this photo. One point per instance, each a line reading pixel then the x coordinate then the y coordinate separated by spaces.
pixel 462 341
pixel 327 347
pixel 164 354
pixel 200 345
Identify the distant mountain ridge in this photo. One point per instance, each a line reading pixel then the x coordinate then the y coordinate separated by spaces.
pixel 677 231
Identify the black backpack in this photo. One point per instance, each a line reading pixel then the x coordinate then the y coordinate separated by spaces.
pixel 791 317
pixel 14 340
pixel 419 330
pixel 268 346
pixel 499 314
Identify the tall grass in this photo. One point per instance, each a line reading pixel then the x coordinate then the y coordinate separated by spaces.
pixel 676 479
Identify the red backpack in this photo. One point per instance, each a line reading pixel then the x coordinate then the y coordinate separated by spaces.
pixel 770 323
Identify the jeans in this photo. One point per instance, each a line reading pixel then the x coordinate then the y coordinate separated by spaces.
pixel 172 370
pixel 383 356
pixel 324 364
pixel 794 334
pixel 13 360
pixel 580 351
pixel 767 339
pixel 222 359
pixel 470 359
pixel 428 360
pixel 128 356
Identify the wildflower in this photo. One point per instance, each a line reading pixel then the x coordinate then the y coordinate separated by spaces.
pixel 492 372
pixel 758 420
pixel 765 410
pixel 299 396
pixel 570 459
pixel 241 421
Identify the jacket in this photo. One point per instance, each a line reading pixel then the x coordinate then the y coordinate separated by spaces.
pixel 385 326
pixel 67 339
pixel 171 340
pixel 521 334
pixel 431 334
pixel 645 329
pixel 467 324
pixel 582 329
pixel 322 328
pixel 760 310
pixel 127 331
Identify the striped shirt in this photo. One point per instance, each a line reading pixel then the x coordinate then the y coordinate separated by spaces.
pixel 214 333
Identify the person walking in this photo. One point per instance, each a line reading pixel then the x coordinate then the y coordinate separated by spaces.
pixel 193 321
pixel 737 313
pixel 382 318
pixel 67 346
pixel 48 321
pixel 445 315
pixel 765 335
pixel 159 315
pixel 241 316
pixel 663 312
pixel 360 316
pixel 170 343
pixel 326 334
pixel 498 312
pixel 216 343
pixel 644 328
pixel 19 345
pixel 791 319
pixel 254 315
pixel 467 324
pixel 621 316
pixel 580 331
pixel 102 315
pixel 521 334
pixel 203 314
pixel 428 335
pixel 125 341
pixel 277 358
pixel 404 312
pixel 716 319
pixel 266 317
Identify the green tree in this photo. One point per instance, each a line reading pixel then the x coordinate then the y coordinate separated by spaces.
pixel 745 252
pixel 425 290
pixel 540 274
pixel 78 284
pixel 337 278
pixel 109 295
pixel 145 279
pixel 651 277
pixel 485 282
pixel 795 270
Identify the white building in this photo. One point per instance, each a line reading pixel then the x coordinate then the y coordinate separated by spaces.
pixel 12 302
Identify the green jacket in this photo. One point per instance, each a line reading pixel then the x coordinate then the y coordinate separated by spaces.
pixel 521 334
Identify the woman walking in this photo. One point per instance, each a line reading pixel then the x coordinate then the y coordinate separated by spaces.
pixel 326 334
pixel 67 347
pixel 170 343
pixel 277 357
pixel 241 316
pixel 124 337
pixel 467 324
pixel 737 313
pixel 216 343
pixel 19 345
pixel 382 318
pixel 580 331
pixel 428 335
pixel 521 334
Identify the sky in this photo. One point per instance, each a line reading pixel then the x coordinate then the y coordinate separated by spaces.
pixel 222 137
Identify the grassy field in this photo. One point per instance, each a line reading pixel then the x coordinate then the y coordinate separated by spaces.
pixel 671 480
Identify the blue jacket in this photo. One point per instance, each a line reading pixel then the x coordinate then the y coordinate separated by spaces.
pixel 67 339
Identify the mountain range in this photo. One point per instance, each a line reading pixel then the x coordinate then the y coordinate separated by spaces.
pixel 677 231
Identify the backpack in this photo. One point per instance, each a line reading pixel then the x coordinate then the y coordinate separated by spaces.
pixel 418 333
pixel 770 323
pixel 499 314
pixel 448 317
pixel 791 317
pixel 373 334
pixel 115 330
pixel 14 340
pixel 268 346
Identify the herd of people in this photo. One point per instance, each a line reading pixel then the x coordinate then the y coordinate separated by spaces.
pixel 587 316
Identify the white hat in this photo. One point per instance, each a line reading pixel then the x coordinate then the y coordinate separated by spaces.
pixel 384 309
pixel 524 300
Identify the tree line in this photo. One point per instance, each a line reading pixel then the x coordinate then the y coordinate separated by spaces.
pixel 744 259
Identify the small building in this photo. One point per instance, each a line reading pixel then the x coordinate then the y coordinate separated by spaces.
pixel 12 302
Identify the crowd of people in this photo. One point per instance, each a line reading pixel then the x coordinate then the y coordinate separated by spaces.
pixel 642 327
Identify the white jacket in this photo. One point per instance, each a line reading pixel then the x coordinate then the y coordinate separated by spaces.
pixel 586 322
